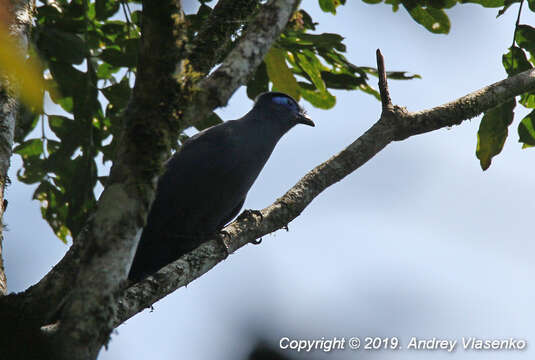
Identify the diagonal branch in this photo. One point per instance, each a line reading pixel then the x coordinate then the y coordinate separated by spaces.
pixel 157 61
pixel 399 126
pixel 110 237
pixel 153 114
pixel 227 17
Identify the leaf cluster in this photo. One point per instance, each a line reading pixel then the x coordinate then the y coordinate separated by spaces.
pixel 493 130
pixel 89 59
pixel 89 51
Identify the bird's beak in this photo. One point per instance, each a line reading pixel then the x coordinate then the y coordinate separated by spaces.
pixel 305 119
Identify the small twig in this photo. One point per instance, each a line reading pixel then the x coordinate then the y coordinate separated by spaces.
pixel 196 263
pixel 128 23
pixel 383 84
pixel 517 23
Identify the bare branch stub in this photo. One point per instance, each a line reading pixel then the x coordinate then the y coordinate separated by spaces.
pixel 383 84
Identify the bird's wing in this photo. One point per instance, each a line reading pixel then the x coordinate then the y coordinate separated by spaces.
pixel 232 213
pixel 194 174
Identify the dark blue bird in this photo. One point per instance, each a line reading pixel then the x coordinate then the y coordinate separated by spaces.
pixel 205 183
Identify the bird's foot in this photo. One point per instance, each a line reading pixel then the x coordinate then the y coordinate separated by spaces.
pixel 224 234
pixel 248 214
pixel 285 227
pixel 256 241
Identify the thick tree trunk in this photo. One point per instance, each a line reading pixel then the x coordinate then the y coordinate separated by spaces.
pixel 15 19
pixel 86 290
pixel 8 108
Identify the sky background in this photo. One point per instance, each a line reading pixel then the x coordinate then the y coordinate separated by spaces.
pixel 418 242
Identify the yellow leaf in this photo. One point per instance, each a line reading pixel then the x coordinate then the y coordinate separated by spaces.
pixel 280 75
pixel 26 74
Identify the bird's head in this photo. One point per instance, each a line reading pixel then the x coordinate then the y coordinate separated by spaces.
pixel 282 107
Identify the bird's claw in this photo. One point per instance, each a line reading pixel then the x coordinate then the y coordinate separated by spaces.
pixel 256 241
pixel 224 235
pixel 248 213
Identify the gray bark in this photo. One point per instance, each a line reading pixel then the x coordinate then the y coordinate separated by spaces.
pixel 395 124
pixel 19 29
pixel 85 295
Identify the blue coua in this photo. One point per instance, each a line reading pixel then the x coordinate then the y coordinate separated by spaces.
pixel 206 181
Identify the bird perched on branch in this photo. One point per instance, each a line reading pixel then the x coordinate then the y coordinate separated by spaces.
pixel 205 183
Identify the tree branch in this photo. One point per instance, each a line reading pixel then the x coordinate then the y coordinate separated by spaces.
pixel 215 90
pixel 383 82
pixel 110 238
pixel 227 17
pixel 80 294
pixel 154 52
pixel 17 20
pixel 398 125
pixel 154 98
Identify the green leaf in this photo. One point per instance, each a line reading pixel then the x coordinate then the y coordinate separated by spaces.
pixel 279 73
pixel 79 192
pixel 326 41
pixel 29 148
pixel 394 3
pixel 33 169
pixel 515 61
pixel 528 100
pixel 69 79
pixel 372 1
pixel 507 4
pixel 105 8
pixel 105 71
pixel 62 126
pixel 119 94
pixel 328 6
pixel 259 83
pixel 394 75
pixel 441 4
pixel 197 20
pixel 322 100
pixel 211 120
pixel 297 41
pixel 308 23
pixel 525 38
pixel 312 67
pixel 401 75
pixel 341 81
pixel 48 12
pixel 53 208
pixel 26 122
pixel 493 132
pixel 118 58
pixel 369 90
pixel 531 4
pixel 61 46
pixel 526 130
pixel 434 20
pixel 485 3
pixel 66 104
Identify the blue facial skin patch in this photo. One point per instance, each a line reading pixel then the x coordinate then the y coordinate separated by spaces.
pixel 282 100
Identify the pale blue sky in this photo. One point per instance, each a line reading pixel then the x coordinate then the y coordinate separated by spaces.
pixel 418 242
